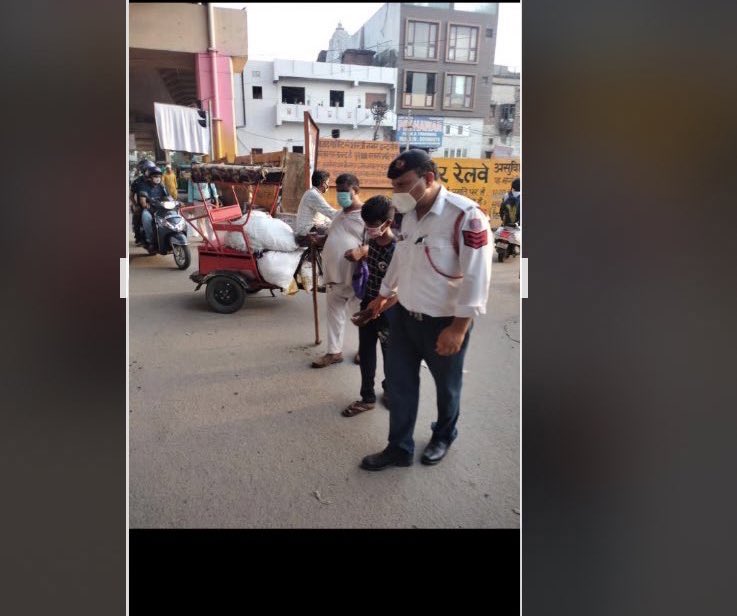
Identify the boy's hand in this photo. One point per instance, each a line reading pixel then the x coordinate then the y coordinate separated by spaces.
pixel 356 254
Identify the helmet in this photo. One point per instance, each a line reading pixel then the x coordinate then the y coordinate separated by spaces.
pixel 515 184
pixel 154 171
pixel 144 164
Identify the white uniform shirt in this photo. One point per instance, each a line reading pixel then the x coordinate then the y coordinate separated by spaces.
pixel 346 232
pixel 427 274
pixel 313 210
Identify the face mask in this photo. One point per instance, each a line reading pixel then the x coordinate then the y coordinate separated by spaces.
pixel 157 179
pixel 515 193
pixel 374 232
pixel 404 202
pixel 344 199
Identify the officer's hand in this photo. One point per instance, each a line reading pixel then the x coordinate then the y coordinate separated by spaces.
pixel 449 341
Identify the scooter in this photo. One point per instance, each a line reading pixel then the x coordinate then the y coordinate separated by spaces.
pixel 170 232
pixel 508 241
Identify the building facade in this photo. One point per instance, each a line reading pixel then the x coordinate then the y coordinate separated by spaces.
pixel 271 98
pixel 189 62
pixel 444 56
pixel 503 123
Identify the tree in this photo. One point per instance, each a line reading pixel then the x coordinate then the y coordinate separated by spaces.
pixel 379 110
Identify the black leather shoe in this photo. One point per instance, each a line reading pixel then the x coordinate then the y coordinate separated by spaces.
pixel 389 457
pixel 434 452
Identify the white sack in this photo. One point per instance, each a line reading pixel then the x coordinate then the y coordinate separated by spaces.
pixel 278 267
pixel 264 233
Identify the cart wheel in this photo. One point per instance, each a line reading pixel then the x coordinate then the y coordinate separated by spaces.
pixel 181 256
pixel 224 295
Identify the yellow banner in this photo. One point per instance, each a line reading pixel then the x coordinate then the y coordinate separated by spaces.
pixel 483 180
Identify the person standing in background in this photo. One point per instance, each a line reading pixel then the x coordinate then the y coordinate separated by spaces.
pixel 170 181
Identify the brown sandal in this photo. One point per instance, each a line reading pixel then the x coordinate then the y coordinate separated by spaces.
pixel 357 407
pixel 327 360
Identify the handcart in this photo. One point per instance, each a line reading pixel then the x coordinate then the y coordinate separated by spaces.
pixel 230 274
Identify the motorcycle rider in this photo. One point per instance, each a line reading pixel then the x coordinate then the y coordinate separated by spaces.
pixel 151 192
pixel 509 210
pixel 143 167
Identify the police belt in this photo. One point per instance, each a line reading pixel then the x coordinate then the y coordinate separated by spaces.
pixel 419 316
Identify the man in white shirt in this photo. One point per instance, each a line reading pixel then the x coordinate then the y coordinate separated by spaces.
pixel 440 273
pixel 314 213
pixel 345 239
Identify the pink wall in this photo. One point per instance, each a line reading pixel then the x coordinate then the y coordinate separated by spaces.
pixel 225 94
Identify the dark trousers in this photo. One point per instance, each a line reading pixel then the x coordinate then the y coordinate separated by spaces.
pixel 413 340
pixel 137 225
pixel 378 329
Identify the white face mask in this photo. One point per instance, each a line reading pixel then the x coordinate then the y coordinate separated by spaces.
pixel 375 232
pixel 404 202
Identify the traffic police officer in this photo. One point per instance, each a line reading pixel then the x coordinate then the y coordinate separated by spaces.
pixel 440 275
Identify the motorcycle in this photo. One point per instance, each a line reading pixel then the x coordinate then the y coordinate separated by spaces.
pixel 170 232
pixel 508 241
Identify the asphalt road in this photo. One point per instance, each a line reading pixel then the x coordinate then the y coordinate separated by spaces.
pixel 231 428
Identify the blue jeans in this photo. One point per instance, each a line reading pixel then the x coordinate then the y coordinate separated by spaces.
pixel 411 342
pixel 148 226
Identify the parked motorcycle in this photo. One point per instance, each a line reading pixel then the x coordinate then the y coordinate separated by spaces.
pixel 170 232
pixel 508 241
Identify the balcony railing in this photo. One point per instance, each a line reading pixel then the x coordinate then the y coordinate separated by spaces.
pixel 350 116
pixel 506 124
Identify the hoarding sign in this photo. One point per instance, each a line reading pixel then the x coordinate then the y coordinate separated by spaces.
pixel 422 131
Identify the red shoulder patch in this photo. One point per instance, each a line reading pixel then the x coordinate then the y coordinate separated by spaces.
pixel 475 239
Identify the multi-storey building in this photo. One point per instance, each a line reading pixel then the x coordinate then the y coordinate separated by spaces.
pixel 444 56
pixel 271 97
pixel 503 124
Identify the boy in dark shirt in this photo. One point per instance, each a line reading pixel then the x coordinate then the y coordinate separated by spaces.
pixel 377 214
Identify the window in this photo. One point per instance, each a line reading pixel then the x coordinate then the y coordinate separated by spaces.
pixel 493 110
pixel 489 32
pixel 506 112
pixel 298 149
pixel 419 89
pixel 292 95
pixel 421 40
pixel 257 150
pixel 336 98
pixel 455 153
pixel 372 97
pixel 462 43
pixel 458 91
pixel 258 92
pixel 447 129
pixel 256 73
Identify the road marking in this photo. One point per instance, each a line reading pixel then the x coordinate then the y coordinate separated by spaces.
pixel 124 278
pixel 523 278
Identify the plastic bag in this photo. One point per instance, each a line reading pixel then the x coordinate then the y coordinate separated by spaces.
pixel 305 277
pixel 360 278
